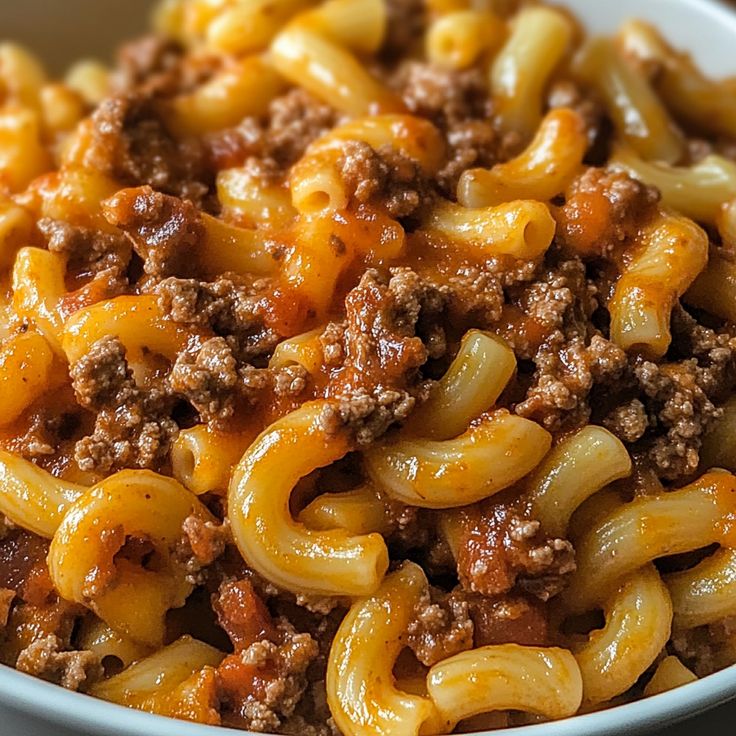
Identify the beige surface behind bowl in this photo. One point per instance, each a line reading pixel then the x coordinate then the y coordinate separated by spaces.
pixel 61 32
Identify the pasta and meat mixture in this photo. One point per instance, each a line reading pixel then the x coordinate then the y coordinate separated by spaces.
pixel 368 367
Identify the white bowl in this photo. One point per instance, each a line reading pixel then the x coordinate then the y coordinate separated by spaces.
pixel 708 30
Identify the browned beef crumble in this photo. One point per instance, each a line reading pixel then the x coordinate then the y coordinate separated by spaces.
pixel 405 23
pixel 147 61
pixel 46 658
pixel 441 627
pixel 627 202
pixel 385 178
pixel 706 649
pixel 516 618
pixel 229 306
pixel 90 252
pixel 501 549
pixel 378 382
pixel 165 231
pixel 131 144
pixel 458 103
pixel 133 427
pixel 268 148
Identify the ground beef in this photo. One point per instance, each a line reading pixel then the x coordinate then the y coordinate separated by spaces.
pixel 382 350
pixel 509 619
pixel 71 669
pixel 230 308
pixel 458 103
pixel 202 543
pixel 261 686
pixel 208 379
pixel 628 421
pixel 444 96
pixel 679 406
pixel 131 144
pixel 267 150
pixel 90 252
pixel 441 627
pixel 405 23
pixel 384 177
pixel 566 372
pixel 501 549
pixel 474 297
pixel 133 427
pixel 602 210
pixel 165 231
pixel 470 144
pixel 366 415
pixel 150 60
pixel 706 649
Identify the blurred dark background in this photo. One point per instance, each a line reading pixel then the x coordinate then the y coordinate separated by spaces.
pixel 63 31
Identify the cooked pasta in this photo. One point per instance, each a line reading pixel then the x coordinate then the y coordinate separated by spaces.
pixel 368 367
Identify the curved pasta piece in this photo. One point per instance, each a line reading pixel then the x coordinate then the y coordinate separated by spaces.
pixel 523 229
pixel 359 25
pixel 202 458
pixel 649 527
pixel 359 511
pixel 638 623
pixel 97 637
pixel 457 40
pixel 16 226
pixel 38 286
pixel 670 673
pixel 227 247
pixel 698 191
pixel 719 442
pixel 714 290
pixel 542 171
pixel 304 350
pixel 574 470
pixel 669 255
pixel 32 498
pixel 541 680
pixel 638 114
pixel 246 87
pixel 284 551
pixel 493 454
pixel 22 75
pixel 538 41
pixel 90 79
pixel 330 73
pixel 23 155
pixel 246 27
pixel 130 597
pixel 361 691
pixel 137 321
pixel 148 683
pixel 475 379
pixel 313 265
pixel 705 593
pixel 25 373
pixel 253 201
pixel 705 104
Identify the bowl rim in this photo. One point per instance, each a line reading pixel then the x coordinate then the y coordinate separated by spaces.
pixel 53 704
